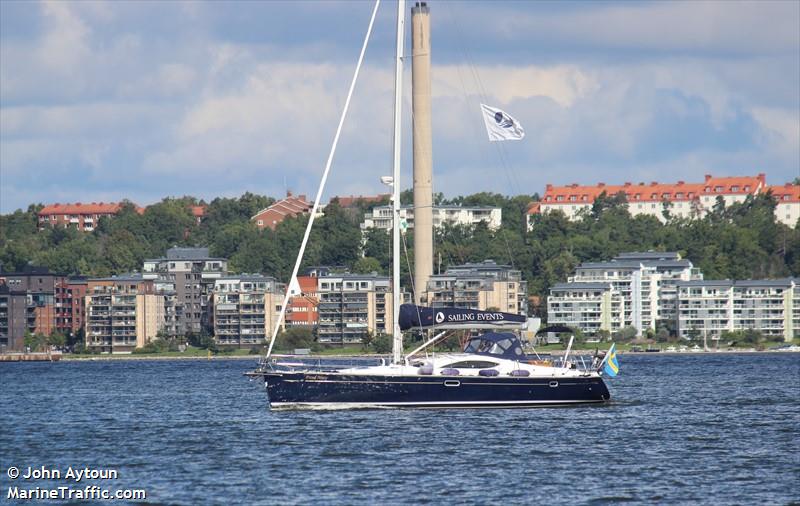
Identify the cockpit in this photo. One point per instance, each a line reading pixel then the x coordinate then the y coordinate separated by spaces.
pixel 504 345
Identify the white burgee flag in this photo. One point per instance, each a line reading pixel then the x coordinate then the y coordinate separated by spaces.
pixel 500 125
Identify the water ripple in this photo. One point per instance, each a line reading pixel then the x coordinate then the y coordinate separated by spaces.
pixel 688 429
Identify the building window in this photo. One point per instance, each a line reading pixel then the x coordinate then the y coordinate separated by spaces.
pixel 260 223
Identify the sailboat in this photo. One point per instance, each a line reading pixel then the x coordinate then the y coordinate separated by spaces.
pixel 491 371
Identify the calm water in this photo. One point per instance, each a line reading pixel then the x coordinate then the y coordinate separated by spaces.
pixel 681 429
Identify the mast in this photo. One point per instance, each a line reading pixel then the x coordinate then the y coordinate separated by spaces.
pixel 423 147
pixel 397 294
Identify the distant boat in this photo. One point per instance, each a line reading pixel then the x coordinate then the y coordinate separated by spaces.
pixel 671 349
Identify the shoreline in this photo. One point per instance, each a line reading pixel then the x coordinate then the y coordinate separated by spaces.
pixel 256 358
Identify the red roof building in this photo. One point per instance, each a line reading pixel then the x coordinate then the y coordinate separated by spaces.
pixel 682 199
pixel 787 208
pixel 352 200
pixel 199 212
pixel 271 216
pixel 83 217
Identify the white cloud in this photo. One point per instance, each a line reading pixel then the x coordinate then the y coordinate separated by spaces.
pixel 98 93
pixel 700 26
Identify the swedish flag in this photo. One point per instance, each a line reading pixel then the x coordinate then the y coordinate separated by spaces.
pixel 611 365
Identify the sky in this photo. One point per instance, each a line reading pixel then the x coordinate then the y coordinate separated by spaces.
pixel 101 101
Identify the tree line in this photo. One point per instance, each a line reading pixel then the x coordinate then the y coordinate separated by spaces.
pixel 740 241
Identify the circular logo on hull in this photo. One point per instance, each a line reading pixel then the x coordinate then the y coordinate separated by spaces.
pixel 439 317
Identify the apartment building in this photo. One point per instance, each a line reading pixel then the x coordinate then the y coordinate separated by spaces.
pixel 645 282
pixel 710 307
pixel 246 309
pixel 483 286
pixel 303 307
pixel 70 304
pixel 350 305
pixel 83 217
pixel 271 216
pixel 5 300
pixel 381 216
pixel 787 198
pixel 590 307
pixel 681 199
pixel 27 304
pixel 796 307
pixel 122 313
pixel 186 277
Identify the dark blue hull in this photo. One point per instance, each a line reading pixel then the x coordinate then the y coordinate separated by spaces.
pixel 332 390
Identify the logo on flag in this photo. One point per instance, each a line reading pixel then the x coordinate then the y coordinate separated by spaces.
pixel 500 125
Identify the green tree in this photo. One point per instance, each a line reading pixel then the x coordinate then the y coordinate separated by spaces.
pixel 295 337
pixel 367 339
pixel 382 344
pixel 367 265
pixel 626 333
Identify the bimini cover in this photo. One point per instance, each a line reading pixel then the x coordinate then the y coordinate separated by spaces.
pixel 496 344
pixel 412 316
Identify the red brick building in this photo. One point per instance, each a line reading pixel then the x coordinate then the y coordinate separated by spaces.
pixel 352 200
pixel 70 307
pixel 271 216
pixel 302 308
pixel 83 217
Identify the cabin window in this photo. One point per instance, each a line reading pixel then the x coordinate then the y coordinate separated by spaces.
pixel 472 364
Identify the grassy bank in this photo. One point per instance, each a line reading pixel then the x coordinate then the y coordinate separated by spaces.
pixel 358 350
pixel 190 353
